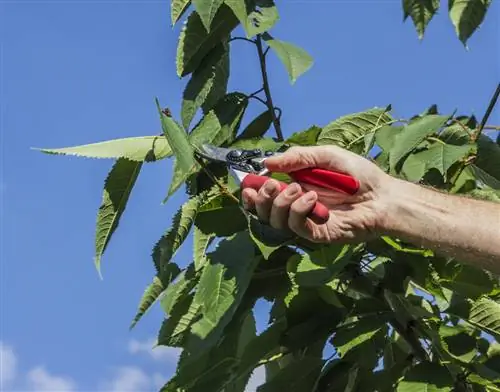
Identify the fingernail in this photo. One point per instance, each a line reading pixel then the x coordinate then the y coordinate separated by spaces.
pixel 309 198
pixel 292 190
pixel 269 189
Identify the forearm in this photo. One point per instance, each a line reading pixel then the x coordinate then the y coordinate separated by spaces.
pixel 454 226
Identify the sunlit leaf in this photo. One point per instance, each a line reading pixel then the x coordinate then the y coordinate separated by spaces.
pixel 168 244
pixel 421 12
pixel 413 134
pixel 117 189
pixel 178 141
pixel 201 241
pixel 154 291
pixel 256 16
pixel 140 149
pixel 350 130
pixel 206 10
pixel 309 137
pixel 207 84
pixel 438 156
pixel 467 16
pixel 195 42
pixel 318 267
pixel 267 238
pixel 296 60
pixel 222 285
pixel 177 9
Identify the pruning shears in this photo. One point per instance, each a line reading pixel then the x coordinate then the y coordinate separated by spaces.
pixel 248 169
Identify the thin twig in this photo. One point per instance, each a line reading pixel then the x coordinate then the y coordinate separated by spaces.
pixel 491 105
pixel 241 39
pixel 493 127
pixel 215 180
pixel 265 82
pixel 256 92
pixel 258 99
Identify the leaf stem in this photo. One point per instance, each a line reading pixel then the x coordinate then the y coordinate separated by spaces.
pixel 241 39
pixel 214 179
pixel 491 105
pixel 493 127
pixel 267 91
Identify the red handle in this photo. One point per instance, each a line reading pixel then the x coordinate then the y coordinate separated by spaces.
pixel 319 214
pixel 327 179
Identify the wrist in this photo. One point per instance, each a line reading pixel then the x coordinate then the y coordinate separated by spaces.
pixel 400 203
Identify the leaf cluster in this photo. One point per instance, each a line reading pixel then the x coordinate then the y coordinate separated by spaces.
pixel 382 315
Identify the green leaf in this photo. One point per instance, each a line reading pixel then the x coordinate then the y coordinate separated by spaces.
pixel 140 149
pixel 207 84
pixel 296 60
pixel 117 189
pixel 349 337
pixel 298 376
pixel 255 16
pixel 267 238
pixel 206 10
pixel 178 141
pixel 421 12
pixel 150 296
pixel 177 9
pixel 261 347
pixel 267 144
pixel 178 290
pixel 175 329
pixel 217 127
pixel 221 123
pixel 483 313
pixel 413 134
pixel 154 291
pixel 316 268
pixel 168 244
pixel 258 127
pixel 458 342
pixel 426 377
pixel 485 194
pixel 222 285
pixel 350 130
pixel 309 137
pixel 221 216
pixel 438 156
pixel 195 42
pixel 469 281
pixel 467 16
pixel 488 154
pixel 201 241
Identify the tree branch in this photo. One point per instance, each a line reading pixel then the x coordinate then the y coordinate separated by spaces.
pixel 493 127
pixel 267 91
pixel 241 39
pixel 491 105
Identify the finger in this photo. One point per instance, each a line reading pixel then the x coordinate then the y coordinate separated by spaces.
pixel 299 210
pixel 301 157
pixel 281 206
pixel 248 196
pixel 265 198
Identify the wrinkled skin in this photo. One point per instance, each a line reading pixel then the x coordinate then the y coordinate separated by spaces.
pixel 352 218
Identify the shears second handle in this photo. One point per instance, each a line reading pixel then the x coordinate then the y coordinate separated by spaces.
pixel 320 214
pixel 327 179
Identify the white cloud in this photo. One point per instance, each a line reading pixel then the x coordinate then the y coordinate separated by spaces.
pixel 159 353
pixel 258 377
pixel 8 365
pixel 40 380
pixel 130 379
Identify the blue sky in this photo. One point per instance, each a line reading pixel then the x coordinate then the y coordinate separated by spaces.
pixel 76 72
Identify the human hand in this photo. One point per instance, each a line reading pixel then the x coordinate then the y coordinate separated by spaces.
pixel 352 217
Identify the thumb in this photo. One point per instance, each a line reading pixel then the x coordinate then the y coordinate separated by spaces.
pixel 300 157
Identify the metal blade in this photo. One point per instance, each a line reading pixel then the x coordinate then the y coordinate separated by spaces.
pixel 213 153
